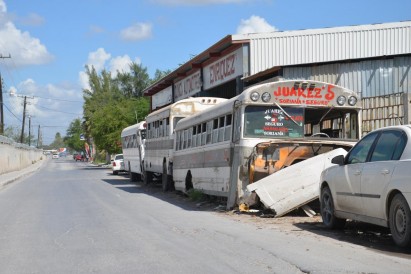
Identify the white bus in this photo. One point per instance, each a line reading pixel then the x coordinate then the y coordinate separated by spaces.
pixel 160 136
pixel 133 144
pixel 270 126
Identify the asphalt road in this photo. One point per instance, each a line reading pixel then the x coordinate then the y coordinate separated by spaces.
pixel 72 217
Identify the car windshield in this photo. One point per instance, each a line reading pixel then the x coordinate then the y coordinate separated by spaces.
pixel 119 157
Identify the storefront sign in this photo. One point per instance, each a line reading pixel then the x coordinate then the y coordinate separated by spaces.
pixel 224 70
pixel 161 98
pixel 187 87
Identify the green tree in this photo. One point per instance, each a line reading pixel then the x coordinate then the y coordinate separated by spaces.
pixel 72 138
pixel 112 104
pixel 160 74
pixel 58 142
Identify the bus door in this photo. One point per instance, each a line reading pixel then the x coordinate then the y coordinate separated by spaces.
pixel 235 157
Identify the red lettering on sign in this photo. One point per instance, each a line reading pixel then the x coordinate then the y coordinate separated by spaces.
pixel 330 94
pixel 222 69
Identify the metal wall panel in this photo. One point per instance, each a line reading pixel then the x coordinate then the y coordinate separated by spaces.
pixel 370 78
pixel 288 48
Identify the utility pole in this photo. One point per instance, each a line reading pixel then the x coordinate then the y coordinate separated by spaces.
pixel 1 100
pixel 29 130
pixel 38 137
pixel 1 108
pixel 24 120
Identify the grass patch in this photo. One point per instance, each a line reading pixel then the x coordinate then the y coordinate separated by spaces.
pixel 195 194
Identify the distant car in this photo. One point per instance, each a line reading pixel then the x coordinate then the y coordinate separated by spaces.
pixel 79 157
pixel 117 164
pixel 372 184
pixel 55 156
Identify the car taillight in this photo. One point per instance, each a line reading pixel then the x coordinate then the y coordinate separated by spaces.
pixel 114 163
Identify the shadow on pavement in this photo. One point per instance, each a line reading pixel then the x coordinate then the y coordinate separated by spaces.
pixel 370 236
pixel 154 189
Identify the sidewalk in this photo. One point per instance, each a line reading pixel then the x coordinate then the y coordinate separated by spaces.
pixel 10 177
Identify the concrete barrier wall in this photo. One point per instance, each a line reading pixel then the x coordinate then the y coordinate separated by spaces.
pixel 15 156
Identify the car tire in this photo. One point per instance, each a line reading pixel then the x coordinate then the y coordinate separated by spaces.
pixel 115 172
pixel 400 221
pixel 327 210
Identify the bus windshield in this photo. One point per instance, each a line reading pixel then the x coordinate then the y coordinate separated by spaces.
pixel 273 121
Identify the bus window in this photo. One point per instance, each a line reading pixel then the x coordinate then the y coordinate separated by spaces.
pixel 221 129
pixel 209 131
pixel 203 134
pixel 189 137
pixel 194 136
pixel 269 122
pixel 215 131
pixel 227 133
pixel 199 135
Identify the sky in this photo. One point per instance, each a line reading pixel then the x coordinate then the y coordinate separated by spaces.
pixel 51 42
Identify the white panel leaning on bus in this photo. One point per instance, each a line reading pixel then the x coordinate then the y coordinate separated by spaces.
pixel 158 160
pixel 133 144
pixel 270 126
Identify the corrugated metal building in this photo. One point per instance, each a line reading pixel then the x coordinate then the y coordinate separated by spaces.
pixel 374 60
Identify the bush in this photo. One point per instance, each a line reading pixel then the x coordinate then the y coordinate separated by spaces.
pixel 195 195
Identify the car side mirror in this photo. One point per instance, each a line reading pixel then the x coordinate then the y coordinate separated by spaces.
pixel 339 160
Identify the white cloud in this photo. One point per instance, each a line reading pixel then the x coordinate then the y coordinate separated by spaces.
pixel 3 7
pixel 44 102
pixel 138 31
pixel 100 60
pixel 254 24
pixel 23 48
pixel 32 20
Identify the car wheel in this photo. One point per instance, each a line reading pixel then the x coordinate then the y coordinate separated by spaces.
pixel 400 221
pixel 327 210
pixel 115 172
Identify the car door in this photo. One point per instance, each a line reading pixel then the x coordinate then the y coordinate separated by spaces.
pixel 378 170
pixel 348 177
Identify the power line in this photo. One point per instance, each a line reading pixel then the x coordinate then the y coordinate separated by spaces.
pixel 58 110
pixel 11 112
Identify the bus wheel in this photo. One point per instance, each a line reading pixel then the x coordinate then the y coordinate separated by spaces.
pixel 164 178
pixel 189 181
pixel 147 177
pixel 133 177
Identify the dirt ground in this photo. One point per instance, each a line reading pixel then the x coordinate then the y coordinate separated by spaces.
pixel 297 222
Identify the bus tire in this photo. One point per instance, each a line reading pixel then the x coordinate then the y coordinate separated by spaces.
pixel 164 178
pixel 134 177
pixel 189 181
pixel 147 177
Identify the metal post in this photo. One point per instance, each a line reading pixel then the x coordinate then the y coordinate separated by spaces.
pixel 29 130
pixel 38 137
pixel 24 119
pixel 1 108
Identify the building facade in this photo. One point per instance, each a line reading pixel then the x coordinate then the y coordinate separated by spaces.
pixel 374 60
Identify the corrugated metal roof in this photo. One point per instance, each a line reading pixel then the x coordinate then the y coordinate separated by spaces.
pixel 288 48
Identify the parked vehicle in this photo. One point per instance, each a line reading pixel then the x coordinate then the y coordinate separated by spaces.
pixel 79 157
pixel 372 184
pixel 117 164
pixel 133 144
pixel 55 156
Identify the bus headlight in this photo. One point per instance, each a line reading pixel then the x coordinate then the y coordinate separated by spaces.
pixel 341 100
pixel 254 96
pixel 266 97
pixel 352 100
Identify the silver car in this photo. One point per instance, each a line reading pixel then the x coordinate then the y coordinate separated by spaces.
pixel 372 184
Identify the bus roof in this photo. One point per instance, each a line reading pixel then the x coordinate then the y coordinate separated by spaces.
pixel 132 129
pixel 185 107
